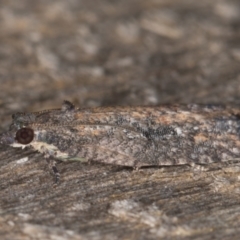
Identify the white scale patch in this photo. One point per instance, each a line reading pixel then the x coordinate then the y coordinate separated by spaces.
pixel 179 131
pixel 49 149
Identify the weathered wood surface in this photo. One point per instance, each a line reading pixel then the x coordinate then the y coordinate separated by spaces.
pixel 128 52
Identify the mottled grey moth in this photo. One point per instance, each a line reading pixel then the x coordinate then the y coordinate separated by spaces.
pixel 130 136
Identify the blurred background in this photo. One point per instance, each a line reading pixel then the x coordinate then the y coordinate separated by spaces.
pixel 125 52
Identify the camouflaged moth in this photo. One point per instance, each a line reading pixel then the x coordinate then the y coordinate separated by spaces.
pixel 130 136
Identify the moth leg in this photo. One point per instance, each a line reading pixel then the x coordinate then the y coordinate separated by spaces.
pixel 53 168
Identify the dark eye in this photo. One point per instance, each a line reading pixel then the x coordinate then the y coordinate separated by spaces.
pixel 24 135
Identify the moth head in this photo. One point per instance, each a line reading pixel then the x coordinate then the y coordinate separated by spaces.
pixel 20 137
pixel 19 134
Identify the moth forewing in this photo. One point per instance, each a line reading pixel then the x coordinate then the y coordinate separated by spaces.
pixel 131 136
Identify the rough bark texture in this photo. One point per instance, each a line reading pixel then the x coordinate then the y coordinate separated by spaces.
pixel 128 52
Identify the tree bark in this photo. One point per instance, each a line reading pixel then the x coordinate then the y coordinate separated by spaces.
pixel 124 52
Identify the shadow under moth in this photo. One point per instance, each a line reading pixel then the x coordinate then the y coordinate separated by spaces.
pixel 130 136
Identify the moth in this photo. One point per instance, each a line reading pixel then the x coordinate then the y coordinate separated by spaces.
pixel 130 136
